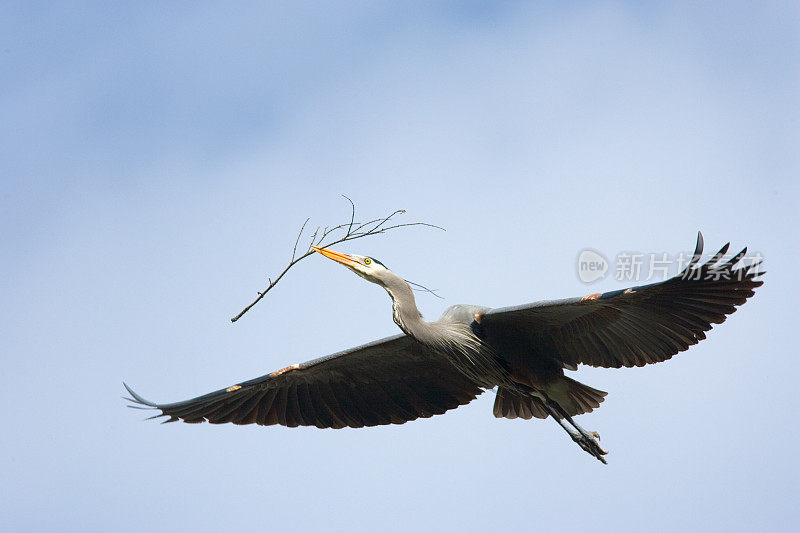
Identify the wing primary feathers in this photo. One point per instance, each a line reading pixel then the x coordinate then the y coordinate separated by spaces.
pixel 736 258
pixel 636 326
pixel 136 398
pixel 698 253
pixel 712 263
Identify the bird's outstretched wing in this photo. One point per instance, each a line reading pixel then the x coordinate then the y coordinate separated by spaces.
pixel 635 326
pixel 390 381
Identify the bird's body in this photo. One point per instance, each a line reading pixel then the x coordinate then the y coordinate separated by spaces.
pixel 523 351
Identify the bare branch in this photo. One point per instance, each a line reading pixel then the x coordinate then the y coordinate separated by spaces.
pixel 294 250
pixel 352 213
pixel 347 232
pixel 313 238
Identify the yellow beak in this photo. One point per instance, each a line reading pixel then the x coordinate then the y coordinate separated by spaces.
pixel 339 257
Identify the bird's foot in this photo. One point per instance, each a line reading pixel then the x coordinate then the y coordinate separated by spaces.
pixel 589 442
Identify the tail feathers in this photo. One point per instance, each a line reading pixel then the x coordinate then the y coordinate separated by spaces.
pixel 574 397
pixel 510 404
pixel 579 398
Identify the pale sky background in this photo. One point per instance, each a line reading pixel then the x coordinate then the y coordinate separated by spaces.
pixel 157 159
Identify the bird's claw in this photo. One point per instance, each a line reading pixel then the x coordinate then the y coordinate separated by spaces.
pixel 588 443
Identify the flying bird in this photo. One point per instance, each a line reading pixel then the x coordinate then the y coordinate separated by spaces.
pixel 523 351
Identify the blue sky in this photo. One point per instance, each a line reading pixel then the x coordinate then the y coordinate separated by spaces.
pixel 157 160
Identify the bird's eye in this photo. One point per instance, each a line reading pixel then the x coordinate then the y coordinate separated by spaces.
pixel 367 260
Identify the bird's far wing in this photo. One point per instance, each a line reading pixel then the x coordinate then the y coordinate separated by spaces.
pixel 635 326
pixel 390 381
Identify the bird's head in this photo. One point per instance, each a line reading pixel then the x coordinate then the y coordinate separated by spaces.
pixel 368 268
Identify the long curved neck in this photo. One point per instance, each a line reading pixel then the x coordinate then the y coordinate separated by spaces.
pixel 438 335
pixel 454 340
pixel 404 308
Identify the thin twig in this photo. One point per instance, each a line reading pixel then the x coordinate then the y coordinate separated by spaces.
pixel 352 213
pixel 354 230
pixel 294 250
pixel 423 288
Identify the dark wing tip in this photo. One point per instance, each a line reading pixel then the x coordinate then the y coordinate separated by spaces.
pixel 135 398
pixel 698 253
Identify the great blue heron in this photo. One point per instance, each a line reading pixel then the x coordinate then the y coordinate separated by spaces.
pixel 436 366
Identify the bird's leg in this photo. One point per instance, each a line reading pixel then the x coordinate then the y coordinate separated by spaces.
pixel 574 434
pixel 587 441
